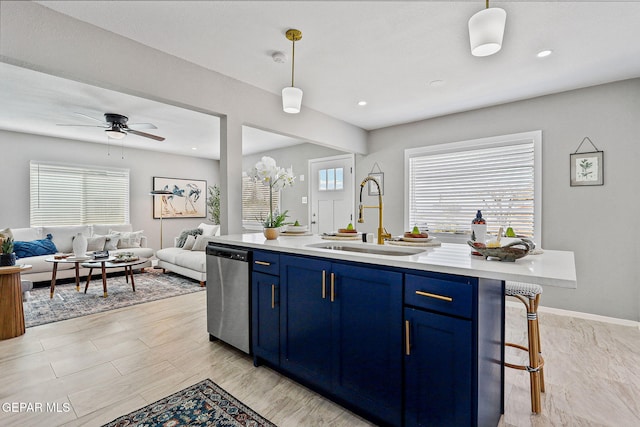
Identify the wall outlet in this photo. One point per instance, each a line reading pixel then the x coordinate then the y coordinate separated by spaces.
pixel 304 200
pixel 301 178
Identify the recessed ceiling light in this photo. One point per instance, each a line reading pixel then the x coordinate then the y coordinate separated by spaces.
pixel 436 83
pixel 194 148
pixel 544 53
pixel 362 103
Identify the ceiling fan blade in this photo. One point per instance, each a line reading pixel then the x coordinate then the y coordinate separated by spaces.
pixel 141 126
pixel 91 126
pixel 89 117
pixel 146 135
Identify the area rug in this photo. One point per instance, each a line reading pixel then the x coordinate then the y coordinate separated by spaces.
pixel 202 404
pixel 68 303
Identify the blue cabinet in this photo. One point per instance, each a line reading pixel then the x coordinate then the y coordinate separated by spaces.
pixel 342 329
pixel 305 321
pixel 265 318
pixel 453 350
pixel 341 332
pixel 437 370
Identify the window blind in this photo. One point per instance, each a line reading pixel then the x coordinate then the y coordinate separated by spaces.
pixel 74 195
pixel 447 187
pixel 255 200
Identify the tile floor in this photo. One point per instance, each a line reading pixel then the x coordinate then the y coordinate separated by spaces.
pixel 93 369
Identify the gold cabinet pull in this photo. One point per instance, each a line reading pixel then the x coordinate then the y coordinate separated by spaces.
pixel 333 287
pixel 324 284
pixel 407 343
pixel 436 296
pixel 262 263
pixel 273 296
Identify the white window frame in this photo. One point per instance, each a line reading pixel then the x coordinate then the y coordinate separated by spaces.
pixel 101 188
pixel 494 141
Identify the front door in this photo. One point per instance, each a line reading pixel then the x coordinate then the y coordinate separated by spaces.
pixel 331 193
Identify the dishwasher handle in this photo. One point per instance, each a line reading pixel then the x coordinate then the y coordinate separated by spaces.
pixel 228 253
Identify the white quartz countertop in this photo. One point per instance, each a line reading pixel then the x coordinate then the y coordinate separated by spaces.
pixel 552 268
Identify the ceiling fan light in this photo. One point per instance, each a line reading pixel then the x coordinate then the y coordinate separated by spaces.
pixel 115 133
pixel 291 99
pixel 486 29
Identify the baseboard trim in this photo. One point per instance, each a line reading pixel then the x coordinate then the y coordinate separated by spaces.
pixel 580 315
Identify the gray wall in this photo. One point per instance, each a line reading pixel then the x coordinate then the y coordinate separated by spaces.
pixel 39 38
pixel 19 148
pixel 597 223
pixel 297 156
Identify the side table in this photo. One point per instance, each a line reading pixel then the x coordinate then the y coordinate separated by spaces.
pixel 11 310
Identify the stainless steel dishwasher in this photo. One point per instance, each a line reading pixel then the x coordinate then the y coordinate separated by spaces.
pixel 228 304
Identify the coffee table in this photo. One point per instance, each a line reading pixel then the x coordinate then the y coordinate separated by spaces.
pixel 110 263
pixel 68 260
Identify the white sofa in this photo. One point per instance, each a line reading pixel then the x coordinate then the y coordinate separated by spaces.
pixel 63 240
pixel 187 262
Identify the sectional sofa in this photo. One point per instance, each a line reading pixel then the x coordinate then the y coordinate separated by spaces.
pixel 116 238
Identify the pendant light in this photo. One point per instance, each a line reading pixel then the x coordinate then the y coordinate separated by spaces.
pixel 486 29
pixel 292 96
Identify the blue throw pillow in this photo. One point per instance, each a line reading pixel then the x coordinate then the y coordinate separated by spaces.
pixel 35 247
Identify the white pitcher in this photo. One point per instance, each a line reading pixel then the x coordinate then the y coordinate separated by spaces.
pixel 80 245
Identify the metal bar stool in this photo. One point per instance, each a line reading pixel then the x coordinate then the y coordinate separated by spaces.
pixel 529 295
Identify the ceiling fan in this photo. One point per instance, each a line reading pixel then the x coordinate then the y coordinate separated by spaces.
pixel 116 126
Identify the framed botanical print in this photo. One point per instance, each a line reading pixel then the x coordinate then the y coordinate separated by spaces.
pixel 373 189
pixel 187 199
pixel 587 168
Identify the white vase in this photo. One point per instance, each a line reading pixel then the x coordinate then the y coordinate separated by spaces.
pixel 79 245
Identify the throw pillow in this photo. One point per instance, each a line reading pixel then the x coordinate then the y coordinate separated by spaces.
pixel 128 239
pixel 201 243
pixel 183 236
pixel 35 247
pixel 111 241
pixel 188 244
pixel 208 229
pixel 96 243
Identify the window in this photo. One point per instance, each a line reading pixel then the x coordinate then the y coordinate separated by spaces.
pixel 446 184
pixel 331 179
pixel 75 195
pixel 255 201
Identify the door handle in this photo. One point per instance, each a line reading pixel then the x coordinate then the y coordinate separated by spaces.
pixel 262 263
pixel 407 334
pixel 324 284
pixel 273 296
pixel 333 287
pixel 436 296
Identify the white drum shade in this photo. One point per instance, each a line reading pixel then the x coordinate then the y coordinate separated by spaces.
pixel 291 99
pixel 486 29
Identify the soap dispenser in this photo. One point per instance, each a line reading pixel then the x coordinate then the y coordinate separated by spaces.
pixel 478 230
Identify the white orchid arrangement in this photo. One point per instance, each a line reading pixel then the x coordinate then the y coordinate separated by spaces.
pixel 277 178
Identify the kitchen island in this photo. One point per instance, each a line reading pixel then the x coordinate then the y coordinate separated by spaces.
pixel 402 336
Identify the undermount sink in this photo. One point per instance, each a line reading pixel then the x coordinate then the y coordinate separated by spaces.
pixel 367 249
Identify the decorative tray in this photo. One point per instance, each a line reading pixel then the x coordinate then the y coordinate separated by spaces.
pixel 510 252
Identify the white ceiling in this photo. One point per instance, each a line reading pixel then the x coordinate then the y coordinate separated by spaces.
pixel 383 52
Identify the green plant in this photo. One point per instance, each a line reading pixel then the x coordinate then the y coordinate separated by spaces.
pixel 213 203
pixel 7 245
pixel 276 178
pixel 275 220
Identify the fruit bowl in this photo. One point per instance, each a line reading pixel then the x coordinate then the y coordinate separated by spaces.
pixel 510 252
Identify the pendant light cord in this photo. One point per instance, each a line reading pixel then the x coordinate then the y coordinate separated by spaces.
pixel 293 59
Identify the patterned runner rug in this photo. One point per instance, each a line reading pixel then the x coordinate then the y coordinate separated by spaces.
pixel 67 303
pixel 202 404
